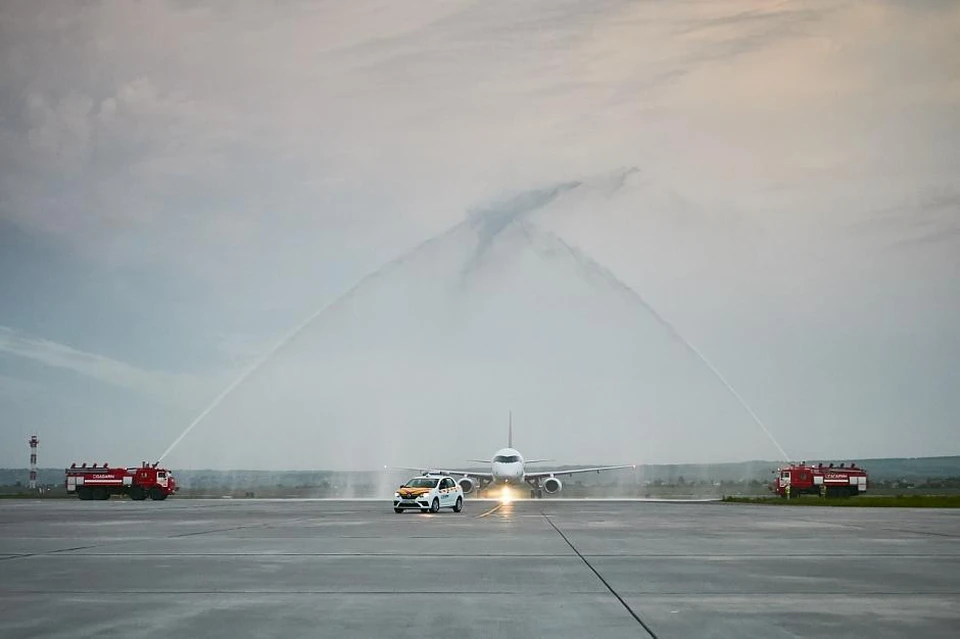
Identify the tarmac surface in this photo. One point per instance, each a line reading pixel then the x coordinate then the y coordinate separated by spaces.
pixel 539 568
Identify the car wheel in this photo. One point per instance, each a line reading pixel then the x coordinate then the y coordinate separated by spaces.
pixel 398 510
pixel 459 505
pixel 435 505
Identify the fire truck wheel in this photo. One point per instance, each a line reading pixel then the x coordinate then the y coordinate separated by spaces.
pixel 84 494
pixel 100 494
pixel 137 494
pixel 156 494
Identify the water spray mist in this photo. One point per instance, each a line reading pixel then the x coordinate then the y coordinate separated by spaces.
pixel 488 224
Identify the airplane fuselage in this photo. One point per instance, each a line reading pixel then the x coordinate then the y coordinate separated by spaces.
pixel 507 467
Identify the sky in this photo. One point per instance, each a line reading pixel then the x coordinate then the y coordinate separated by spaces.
pixel 545 207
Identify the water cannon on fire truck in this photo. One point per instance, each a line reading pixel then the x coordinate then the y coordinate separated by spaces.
pixel 826 480
pixel 93 482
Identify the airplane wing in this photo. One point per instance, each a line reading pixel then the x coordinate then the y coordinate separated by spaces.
pixel 573 471
pixel 444 471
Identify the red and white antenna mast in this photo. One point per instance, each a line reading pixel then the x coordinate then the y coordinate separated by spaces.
pixel 33 461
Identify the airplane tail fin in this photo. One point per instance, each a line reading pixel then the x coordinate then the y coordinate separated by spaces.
pixel 510 431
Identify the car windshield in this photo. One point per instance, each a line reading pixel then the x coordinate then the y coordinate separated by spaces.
pixel 506 459
pixel 421 482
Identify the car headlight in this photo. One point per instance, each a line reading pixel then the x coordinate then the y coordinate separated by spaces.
pixel 396 495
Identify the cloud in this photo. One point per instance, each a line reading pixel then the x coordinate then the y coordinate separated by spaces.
pixel 330 119
pixel 930 218
pixel 169 388
pixel 180 207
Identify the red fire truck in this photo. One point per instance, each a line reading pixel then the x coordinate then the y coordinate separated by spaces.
pixel 826 480
pixel 99 482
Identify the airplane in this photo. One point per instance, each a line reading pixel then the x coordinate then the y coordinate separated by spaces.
pixel 508 468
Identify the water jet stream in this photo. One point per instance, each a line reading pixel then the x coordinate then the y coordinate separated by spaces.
pixel 293 333
pixel 591 266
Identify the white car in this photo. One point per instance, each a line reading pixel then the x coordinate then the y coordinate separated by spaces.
pixel 429 493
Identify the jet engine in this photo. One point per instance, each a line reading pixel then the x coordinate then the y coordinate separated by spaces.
pixel 467 485
pixel 552 485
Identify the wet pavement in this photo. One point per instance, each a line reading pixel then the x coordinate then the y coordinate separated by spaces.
pixel 557 568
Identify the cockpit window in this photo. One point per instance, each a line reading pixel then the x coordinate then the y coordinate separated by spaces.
pixel 506 459
pixel 421 482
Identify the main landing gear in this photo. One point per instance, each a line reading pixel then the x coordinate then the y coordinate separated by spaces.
pixel 536 493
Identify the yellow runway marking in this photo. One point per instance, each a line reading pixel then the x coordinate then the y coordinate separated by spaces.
pixel 490 512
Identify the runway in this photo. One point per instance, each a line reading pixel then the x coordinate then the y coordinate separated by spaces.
pixel 538 568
